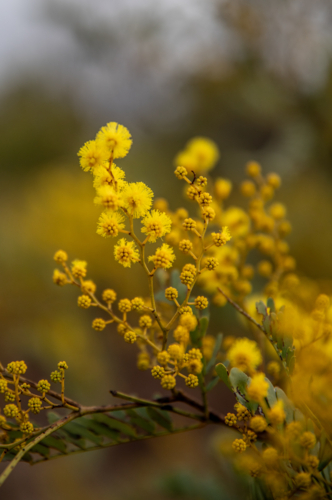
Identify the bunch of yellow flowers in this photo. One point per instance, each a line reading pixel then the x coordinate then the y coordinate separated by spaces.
pixel 283 434
pixel 123 202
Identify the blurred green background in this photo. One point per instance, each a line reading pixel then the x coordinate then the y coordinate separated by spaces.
pixel 255 77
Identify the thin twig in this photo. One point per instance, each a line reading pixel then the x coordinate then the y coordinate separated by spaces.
pixel 165 405
pixel 241 311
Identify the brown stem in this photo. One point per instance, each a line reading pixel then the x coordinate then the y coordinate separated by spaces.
pixel 241 311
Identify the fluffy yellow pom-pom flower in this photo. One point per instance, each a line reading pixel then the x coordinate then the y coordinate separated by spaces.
pixel 163 257
pixel 244 354
pixel 114 177
pixel 156 224
pixel 109 223
pixel 201 154
pixel 115 138
pixel 257 390
pixel 108 197
pixel 221 238
pixel 277 414
pixel 92 155
pixel 125 252
pixel 137 199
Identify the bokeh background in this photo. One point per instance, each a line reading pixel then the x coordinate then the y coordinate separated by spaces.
pixel 254 76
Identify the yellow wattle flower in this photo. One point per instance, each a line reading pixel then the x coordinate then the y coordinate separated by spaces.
pixel 137 199
pixel 114 177
pixel 110 223
pixel 92 156
pixel 115 138
pixel 245 355
pixel 125 252
pixel 156 225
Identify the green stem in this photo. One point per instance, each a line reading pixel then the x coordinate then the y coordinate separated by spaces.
pixel 31 444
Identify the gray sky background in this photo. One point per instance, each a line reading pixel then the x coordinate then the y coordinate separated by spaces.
pixel 142 52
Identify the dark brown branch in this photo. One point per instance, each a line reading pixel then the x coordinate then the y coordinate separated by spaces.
pixel 165 403
pixel 212 415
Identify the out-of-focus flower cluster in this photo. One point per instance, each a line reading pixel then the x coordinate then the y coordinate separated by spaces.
pixel 13 386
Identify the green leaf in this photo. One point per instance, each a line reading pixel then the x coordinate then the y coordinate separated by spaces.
pixel 239 380
pixel 161 418
pixel 123 427
pixel 271 305
pixel 27 457
pixel 217 346
pixel 99 431
pixel 261 308
pixel 267 325
pixel 54 443
pixel 310 426
pixel 288 341
pixel 99 428
pixel 118 414
pixel 68 438
pixel 298 415
pixel 44 451
pixel 80 432
pixel 136 419
pixel 325 455
pixel 291 364
pixel 271 394
pixel 223 374
pixel 324 452
pixel 52 417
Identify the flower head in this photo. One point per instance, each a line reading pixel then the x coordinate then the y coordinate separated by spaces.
pixel 115 138
pixel 257 390
pixel 109 223
pixel 258 423
pixel 201 154
pixel 107 197
pixel 220 239
pixel 163 257
pixel 78 268
pixel 92 155
pixel 114 177
pixel 125 252
pixel 137 198
pixel 156 224
pixel 277 414
pixel 308 440
pixel 244 354
pixel 222 188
